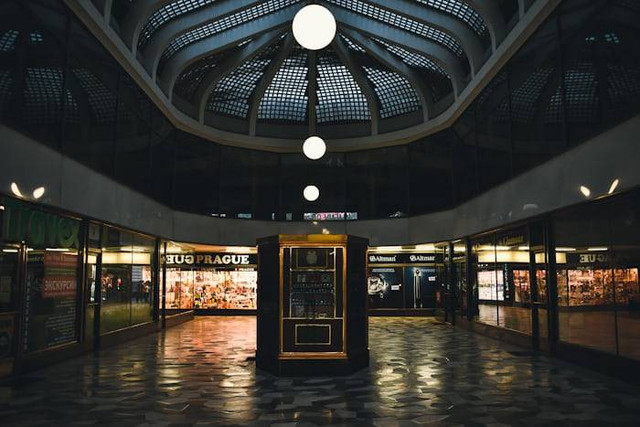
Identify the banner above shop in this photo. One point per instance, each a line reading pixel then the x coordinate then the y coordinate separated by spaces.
pixel 405 258
pixel 211 259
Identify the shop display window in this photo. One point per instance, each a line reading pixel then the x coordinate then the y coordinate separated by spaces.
pixel 52 280
pixel 225 289
pixel 490 285
pixel 9 261
pixel 521 286
pixel 126 283
pixel 180 288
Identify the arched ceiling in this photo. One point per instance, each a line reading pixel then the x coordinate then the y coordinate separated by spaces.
pixel 234 66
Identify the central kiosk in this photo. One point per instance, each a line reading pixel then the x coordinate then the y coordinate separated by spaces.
pixel 312 305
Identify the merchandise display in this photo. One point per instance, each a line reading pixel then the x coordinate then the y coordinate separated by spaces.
pixel 211 281
pixel 490 285
pixel 522 286
pixel 594 286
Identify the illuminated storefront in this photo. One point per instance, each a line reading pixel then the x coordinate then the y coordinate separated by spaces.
pixel 212 281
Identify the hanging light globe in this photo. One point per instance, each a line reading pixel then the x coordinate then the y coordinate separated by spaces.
pixel 314 147
pixel 311 193
pixel 314 27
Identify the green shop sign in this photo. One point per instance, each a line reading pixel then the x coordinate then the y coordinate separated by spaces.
pixel 22 223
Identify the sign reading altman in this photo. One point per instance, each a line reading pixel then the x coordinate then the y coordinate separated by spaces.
pixel 407 258
pixel 221 259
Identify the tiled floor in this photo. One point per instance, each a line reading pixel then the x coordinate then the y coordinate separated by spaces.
pixel 421 373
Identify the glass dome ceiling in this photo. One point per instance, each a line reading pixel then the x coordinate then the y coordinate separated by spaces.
pixel 234 65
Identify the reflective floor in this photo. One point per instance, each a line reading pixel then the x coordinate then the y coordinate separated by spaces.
pixel 421 373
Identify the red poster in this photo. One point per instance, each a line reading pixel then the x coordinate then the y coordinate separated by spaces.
pixel 60 275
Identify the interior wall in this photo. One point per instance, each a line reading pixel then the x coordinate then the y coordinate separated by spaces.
pixel 550 186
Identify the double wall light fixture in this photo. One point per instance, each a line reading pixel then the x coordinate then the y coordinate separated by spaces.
pixel 37 193
pixel 314 28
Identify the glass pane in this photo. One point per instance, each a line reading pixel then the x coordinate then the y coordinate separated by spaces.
pixel 625 225
pixel 142 280
pixel 585 285
pixel 115 310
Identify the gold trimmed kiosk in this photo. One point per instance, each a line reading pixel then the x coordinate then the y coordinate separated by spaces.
pixel 312 305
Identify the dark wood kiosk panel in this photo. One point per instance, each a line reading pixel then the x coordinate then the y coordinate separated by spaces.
pixel 312 305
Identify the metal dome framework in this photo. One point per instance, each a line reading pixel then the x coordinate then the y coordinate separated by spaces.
pixel 234 66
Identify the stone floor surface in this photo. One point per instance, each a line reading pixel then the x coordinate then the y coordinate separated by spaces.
pixel 422 373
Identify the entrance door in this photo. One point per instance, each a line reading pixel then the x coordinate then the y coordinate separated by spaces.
pixel 92 284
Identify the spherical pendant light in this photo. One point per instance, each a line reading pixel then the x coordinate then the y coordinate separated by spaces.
pixel 311 193
pixel 314 147
pixel 314 27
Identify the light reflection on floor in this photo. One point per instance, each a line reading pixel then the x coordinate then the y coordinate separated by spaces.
pixel 421 372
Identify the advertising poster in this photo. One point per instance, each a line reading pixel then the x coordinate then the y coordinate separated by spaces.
pixel 51 300
pixel 421 284
pixel 385 287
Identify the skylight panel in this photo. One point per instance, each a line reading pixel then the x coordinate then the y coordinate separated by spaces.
pixel 401 22
pixel 286 97
pixel 167 13
pixel 395 93
pixel 225 24
pixel 460 10
pixel 339 96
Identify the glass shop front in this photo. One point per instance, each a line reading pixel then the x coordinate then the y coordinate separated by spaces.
pixel 405 282
pixel 210 279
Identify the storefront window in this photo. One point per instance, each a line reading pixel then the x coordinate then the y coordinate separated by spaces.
pixel 503 279
pixel 625 230
pixel 214 279
pixel 52 244
pixel 9 258
pixel 126 280
pixel 585 278
pixel 405 280
pixel 460 266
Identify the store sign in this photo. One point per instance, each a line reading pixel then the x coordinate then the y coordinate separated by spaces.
pixel 220 259
pixel 588 258
pixel 405 258
pixel 37 228
pixel 511 240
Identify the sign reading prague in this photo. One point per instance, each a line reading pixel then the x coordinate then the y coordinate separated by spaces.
pixel 220 259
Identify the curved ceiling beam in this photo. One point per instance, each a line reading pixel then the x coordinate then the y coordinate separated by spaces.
pixel 162 38
pixel 108 6
pixel 490 13
pixel 265 80
pixel 211 80
pixel 365 86
pixel 435 51
pixel 385 57
pixel 462 33
pixel 221 41
pixel 139 14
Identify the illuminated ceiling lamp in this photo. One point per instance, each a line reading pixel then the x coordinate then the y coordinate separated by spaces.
pixel 311 193
pixel 314 147
pixel 314 27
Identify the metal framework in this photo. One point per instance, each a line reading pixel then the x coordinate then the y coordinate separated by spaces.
pixel 420 49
